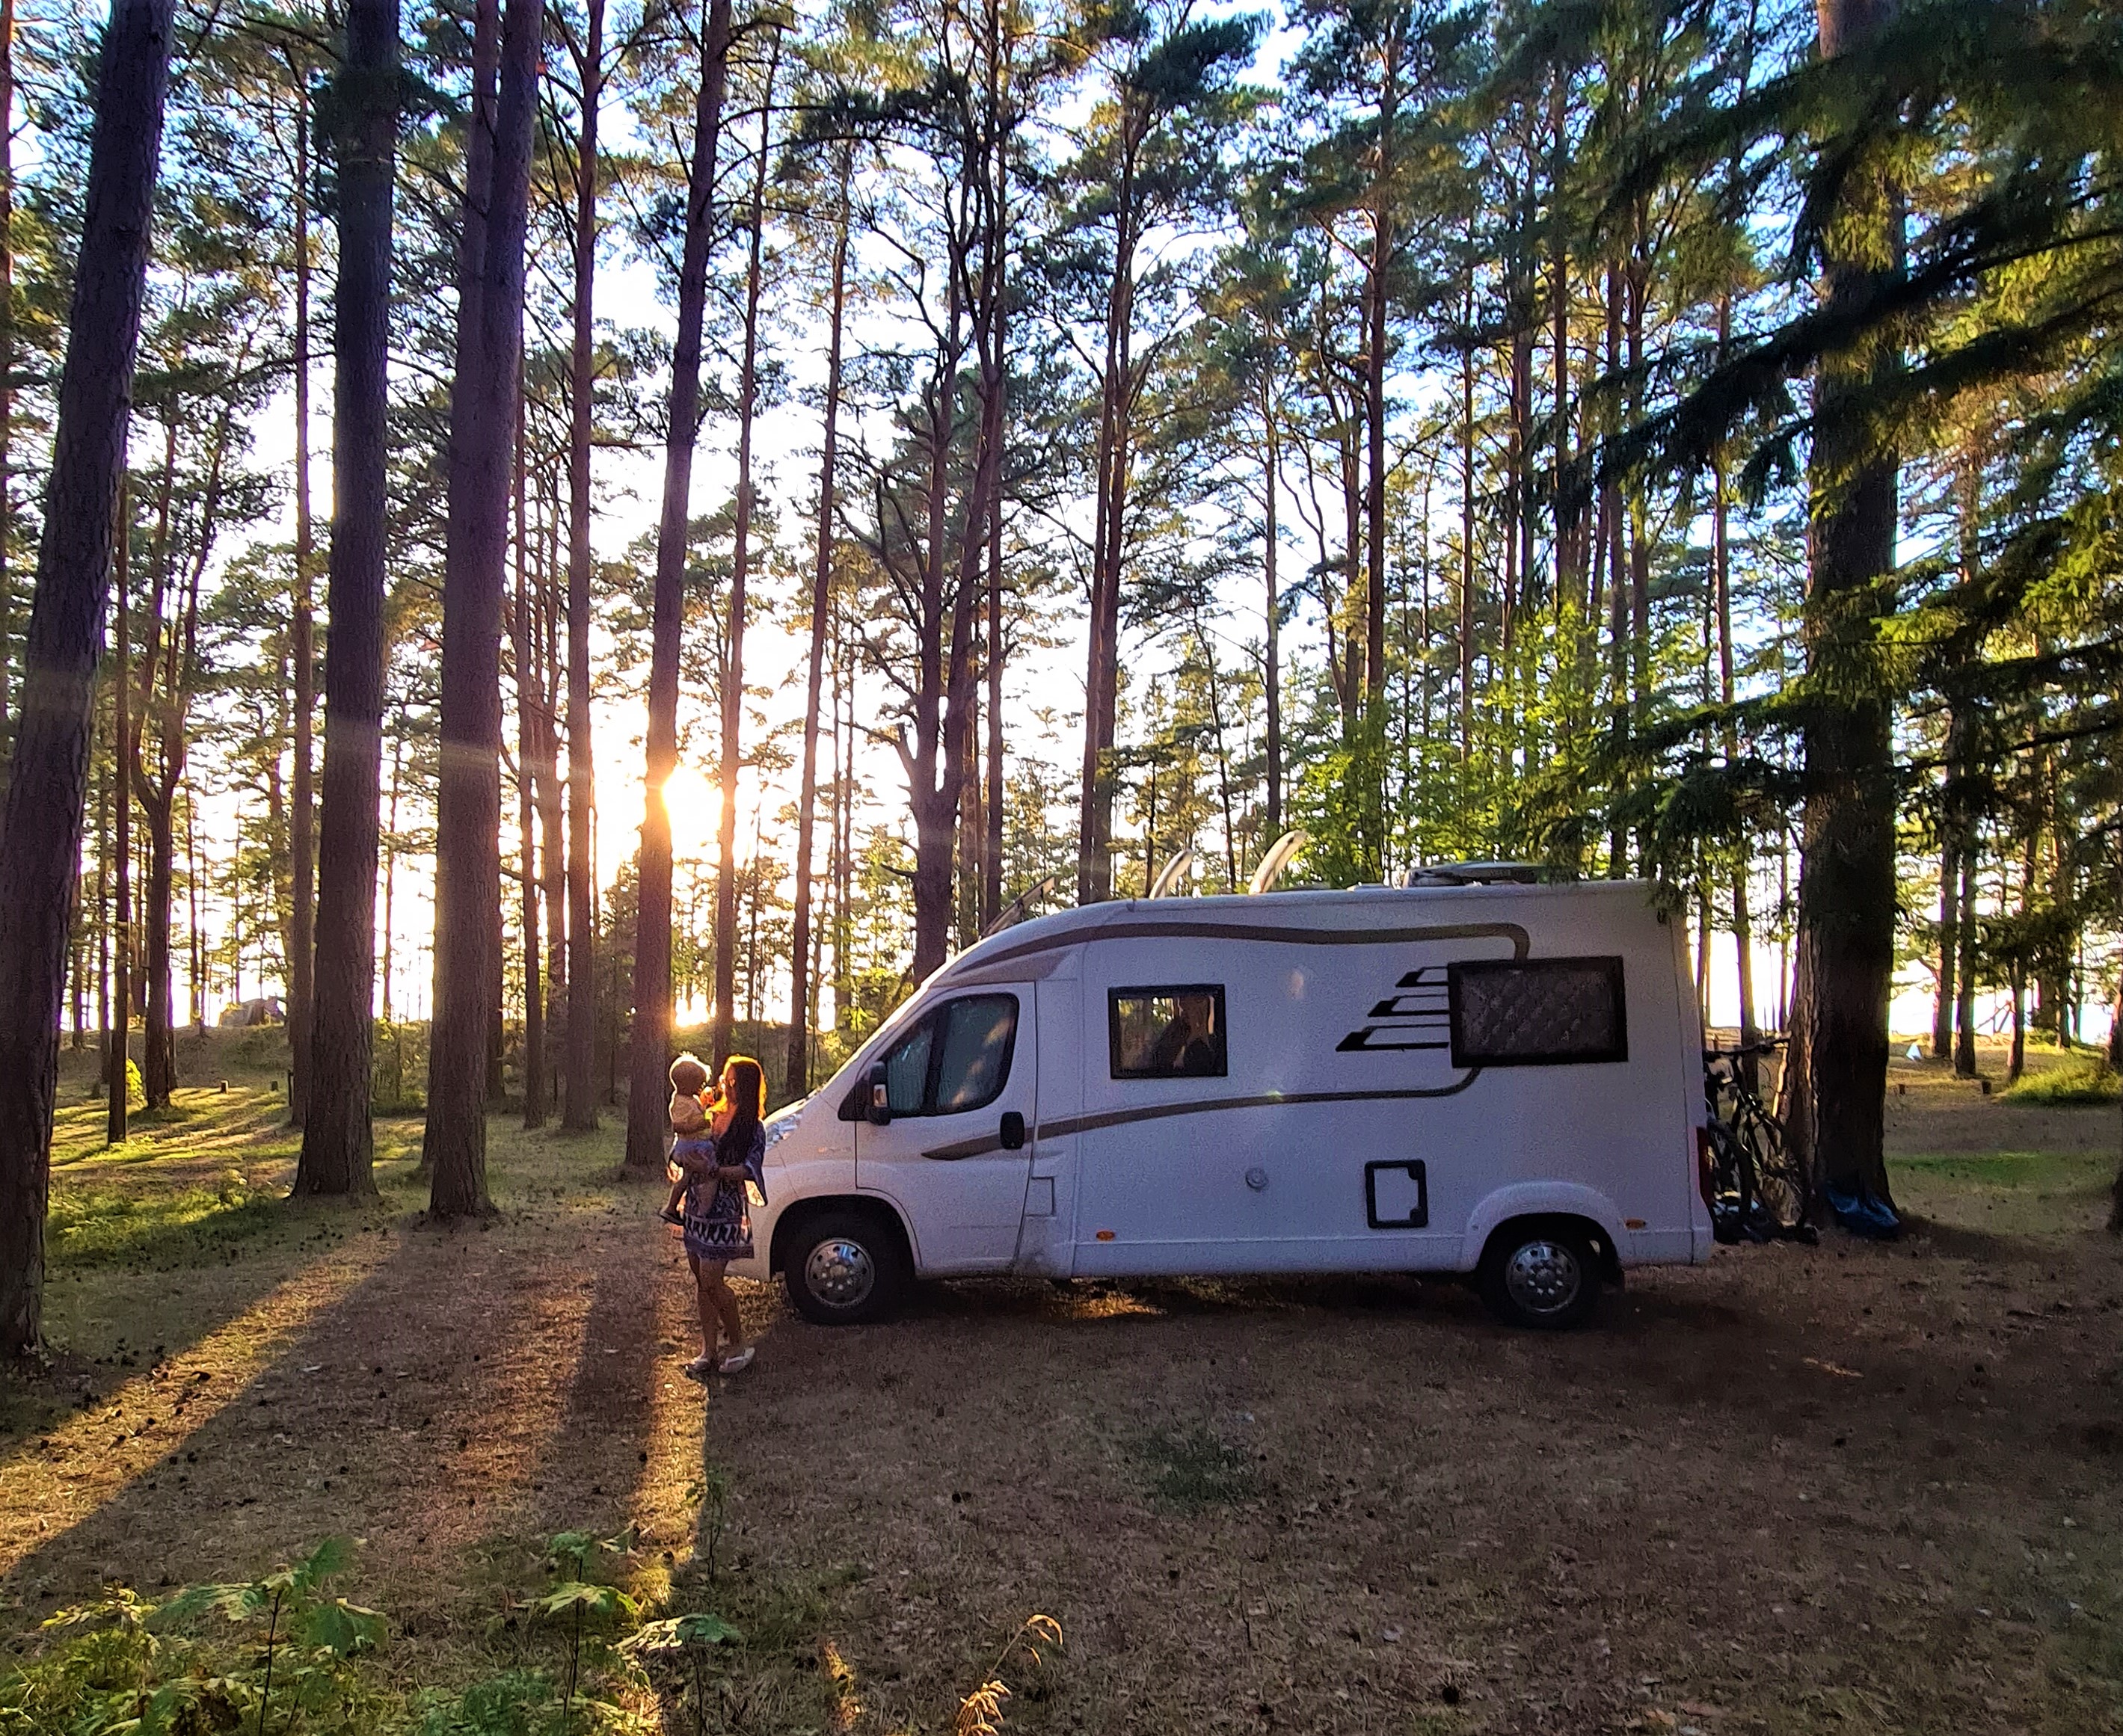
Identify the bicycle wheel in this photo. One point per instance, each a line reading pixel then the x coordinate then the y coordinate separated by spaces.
pixel 1781 1187
pixel 1731 1190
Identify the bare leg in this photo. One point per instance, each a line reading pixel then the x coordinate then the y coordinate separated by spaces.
pixel 703 1295
pixel 716 1293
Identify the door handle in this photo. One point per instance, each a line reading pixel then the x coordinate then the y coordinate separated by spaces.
pixel 1013 1130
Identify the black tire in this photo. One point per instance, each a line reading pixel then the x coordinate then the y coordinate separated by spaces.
pixel 843 1265
pixel 1540 1273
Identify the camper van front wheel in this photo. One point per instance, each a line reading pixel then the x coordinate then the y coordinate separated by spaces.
pixel 1539 1272
pixel 844 1267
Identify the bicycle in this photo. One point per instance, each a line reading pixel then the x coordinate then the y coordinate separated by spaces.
pixel 1757 1186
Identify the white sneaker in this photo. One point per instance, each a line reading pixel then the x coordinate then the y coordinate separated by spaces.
pixel 737 1362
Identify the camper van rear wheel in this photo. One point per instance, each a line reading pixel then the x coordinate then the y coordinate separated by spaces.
pixel 1540 1273
pixel 845 1265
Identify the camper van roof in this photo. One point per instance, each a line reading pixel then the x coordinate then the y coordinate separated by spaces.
pixel 1230 916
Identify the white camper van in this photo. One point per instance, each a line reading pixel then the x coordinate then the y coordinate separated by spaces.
pixel 1499 1080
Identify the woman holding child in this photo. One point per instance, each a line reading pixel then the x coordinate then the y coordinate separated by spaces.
pixel 720 1148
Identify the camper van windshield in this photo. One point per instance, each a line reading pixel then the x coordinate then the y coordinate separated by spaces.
pixel 1167 1033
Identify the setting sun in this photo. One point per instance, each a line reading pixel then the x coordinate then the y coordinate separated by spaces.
pixel 692 798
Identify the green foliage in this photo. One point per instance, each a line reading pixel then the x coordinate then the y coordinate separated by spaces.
pixel 284 1655
pixel 122 1664
pixel 2078 1083
pixel 398 1067
pixel 513 1703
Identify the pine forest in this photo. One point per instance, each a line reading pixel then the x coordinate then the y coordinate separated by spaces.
pixel 967 458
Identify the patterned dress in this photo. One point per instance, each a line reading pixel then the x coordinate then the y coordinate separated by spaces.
pixel 718 1213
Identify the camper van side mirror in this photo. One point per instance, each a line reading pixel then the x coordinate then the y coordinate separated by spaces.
pixel 880 1098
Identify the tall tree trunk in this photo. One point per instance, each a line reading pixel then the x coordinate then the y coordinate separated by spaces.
pixel 1569 512
pixel 158 1058
pixel 1964 996
pixel 1846 897
pixel 103 921
pixel 1466 555
pixel 528 697
pixel 302 843
pixel 797 1080
pixel 390 844
pixel 1377 337
pixel 579 1113
pixel 7 382
pixel 1721 542
pixel 194 965
pixel 338 1149
pixel 1949 947
pixel 651 1035
pixel 991 851
pixel 1094 868
pixel 552 796
pixel 173 666
pixel 40 843
pixel 1272 652
pixel 121 917
pixel 733 682
pixel 468 796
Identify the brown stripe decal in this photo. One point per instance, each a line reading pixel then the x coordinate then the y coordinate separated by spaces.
pixel 1067 1125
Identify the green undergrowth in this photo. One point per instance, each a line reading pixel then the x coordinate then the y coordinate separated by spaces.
pixel 2080 1081
pixel 574 1651
pixel 581 1635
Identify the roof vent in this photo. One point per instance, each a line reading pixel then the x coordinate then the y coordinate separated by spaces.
pixel 1476 873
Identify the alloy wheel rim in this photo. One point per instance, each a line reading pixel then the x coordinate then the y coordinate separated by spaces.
pixel 841 1272
pixel 1543 1277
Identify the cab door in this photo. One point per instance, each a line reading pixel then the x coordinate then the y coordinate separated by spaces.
pixel 952 1147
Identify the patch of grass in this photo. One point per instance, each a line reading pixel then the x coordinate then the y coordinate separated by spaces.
pixel 101 1228
pixel 1191 1467
pixel 2042 1193
pixel 2074 1083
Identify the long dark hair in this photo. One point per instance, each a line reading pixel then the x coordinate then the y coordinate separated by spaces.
pixel 747 1091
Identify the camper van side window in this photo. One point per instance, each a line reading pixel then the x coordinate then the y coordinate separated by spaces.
pixel 957 1059
pixel 1167 1033
pixel 1536 1012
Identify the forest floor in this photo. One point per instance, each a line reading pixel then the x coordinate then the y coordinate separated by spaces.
pixel 1846 1488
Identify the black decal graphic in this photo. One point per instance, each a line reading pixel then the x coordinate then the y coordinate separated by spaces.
pixel 1416 1016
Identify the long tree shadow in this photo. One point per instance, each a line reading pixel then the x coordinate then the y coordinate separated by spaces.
pixel 411 1397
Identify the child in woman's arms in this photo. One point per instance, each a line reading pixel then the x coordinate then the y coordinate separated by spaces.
pixel 689 1126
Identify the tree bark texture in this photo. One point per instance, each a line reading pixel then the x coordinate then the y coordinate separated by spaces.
pixel 1846 896
pixel 40 845
pixel 579 1108
pixel 338 1150
pixel 116 1100
pixel 468 804
pixel 730 760
pixel 302 832
pixel 6 383
pixel 797 1080
pixel 528 697
pixel 650 1038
